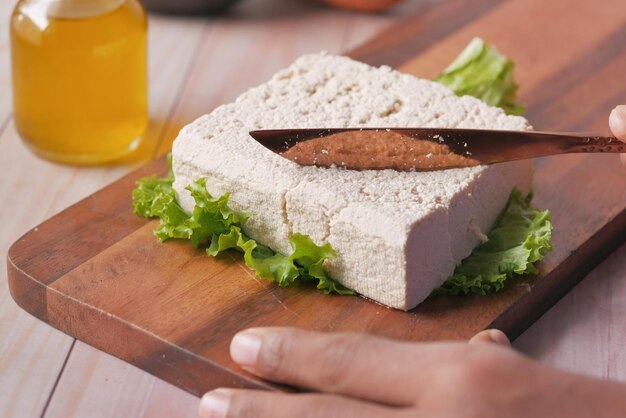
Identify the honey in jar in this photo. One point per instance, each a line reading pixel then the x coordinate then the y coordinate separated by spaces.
pixel 80 78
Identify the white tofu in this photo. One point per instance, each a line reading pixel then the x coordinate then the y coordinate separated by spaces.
pixel 397 235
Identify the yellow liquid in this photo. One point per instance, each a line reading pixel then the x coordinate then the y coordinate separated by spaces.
pixel 80 84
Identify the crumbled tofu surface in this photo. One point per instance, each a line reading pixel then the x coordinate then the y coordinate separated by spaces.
pixel 398 235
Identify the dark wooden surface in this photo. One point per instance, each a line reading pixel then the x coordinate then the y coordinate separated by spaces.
pixel 96 272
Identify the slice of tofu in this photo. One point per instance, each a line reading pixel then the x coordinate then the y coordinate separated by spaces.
pixel 398 235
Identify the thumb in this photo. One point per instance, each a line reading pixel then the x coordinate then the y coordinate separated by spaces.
pixel 617 122
pixel 491 336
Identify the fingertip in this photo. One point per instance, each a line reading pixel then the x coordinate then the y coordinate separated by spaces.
pixel 491 336
pixel 617 122
pixel 245 347
pixel 499 337
pixel 215 404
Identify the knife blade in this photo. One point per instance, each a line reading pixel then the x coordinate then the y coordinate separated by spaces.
pixel 424 149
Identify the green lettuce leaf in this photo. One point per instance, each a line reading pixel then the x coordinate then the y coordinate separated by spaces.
pixel 522 234
pixel 520 238
pixel 215 225
pixel 148 188
pixel 155 197
pixel 483 72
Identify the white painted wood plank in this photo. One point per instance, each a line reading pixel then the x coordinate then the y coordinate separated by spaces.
pixel 25 381
pixel 584 332
pixel 172 48
pixel 31 352
pixel 95 384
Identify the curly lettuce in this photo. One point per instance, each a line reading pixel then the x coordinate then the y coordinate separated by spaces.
pixel 148 188
pixel 520 238
pixel 216 227
pixel 483 72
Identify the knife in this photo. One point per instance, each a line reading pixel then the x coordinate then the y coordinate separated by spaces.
pixel 424 149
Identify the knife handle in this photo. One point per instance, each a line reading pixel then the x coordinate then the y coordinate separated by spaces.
pixel 595 143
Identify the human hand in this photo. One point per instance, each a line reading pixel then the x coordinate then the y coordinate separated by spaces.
pixel 617 123
pixel 358 375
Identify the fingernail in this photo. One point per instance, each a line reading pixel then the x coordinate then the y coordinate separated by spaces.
pixel 617 121
pixel 499 337
pixel 214 404
pixel 244 349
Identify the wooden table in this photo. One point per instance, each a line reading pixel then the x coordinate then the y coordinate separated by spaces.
pixel 46 373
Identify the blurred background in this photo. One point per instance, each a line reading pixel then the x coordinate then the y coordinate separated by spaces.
pixel 245 43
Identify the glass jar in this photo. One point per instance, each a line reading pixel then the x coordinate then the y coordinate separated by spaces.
pixel 80 78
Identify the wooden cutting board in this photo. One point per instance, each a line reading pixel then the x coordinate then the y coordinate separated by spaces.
pixel 96 272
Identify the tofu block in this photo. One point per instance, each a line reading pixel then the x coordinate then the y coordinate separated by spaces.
pixel 398 235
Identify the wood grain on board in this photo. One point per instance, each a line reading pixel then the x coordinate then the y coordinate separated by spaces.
pixel 96 272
